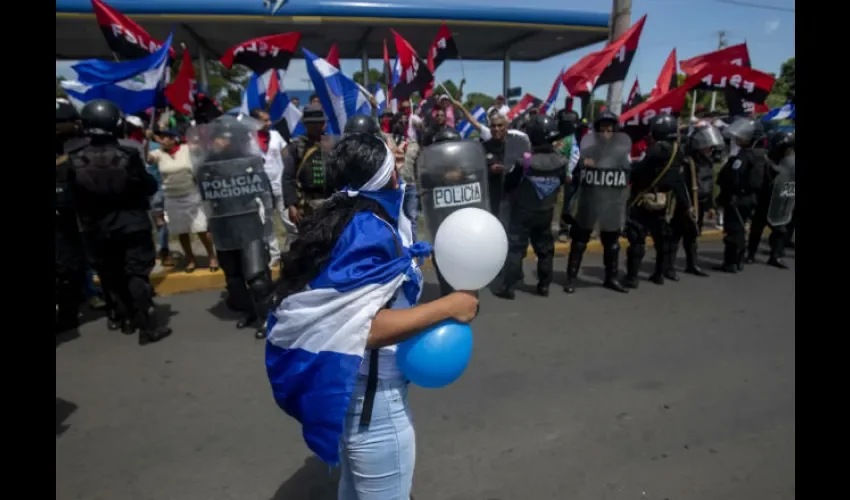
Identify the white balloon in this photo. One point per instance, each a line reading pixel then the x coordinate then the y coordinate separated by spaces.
pixel 470 248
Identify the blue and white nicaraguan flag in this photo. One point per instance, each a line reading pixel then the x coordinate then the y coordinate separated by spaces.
pixel 465 128
pixel 785 112
pixel 132 85
pixel 317 337
pixel 340 96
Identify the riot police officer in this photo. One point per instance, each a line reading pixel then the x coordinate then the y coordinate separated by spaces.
pixel 536 180
pixel 764 190
pixel 440 177
pixel 739 180
pixel 657 188
pixel 703 145
pixel 69 253
pixel 362 124
pixel 781 209
pixel 238 199
pixel 304 182
pixel 602 189
pixel 111 188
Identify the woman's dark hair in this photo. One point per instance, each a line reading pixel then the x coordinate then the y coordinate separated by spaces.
pixel 353 161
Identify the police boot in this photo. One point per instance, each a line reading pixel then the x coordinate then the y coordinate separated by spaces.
pixel 542 290
pixel 505 292
pixel 574 264
pixel 149 329
pixel 691 266
pixel 660 267
pixel 611 261
pixel 741 260
pixel 247 319
pixel 634 257
pixel 777 249
pixel 730 260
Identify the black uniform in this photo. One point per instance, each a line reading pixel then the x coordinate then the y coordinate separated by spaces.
pixel 245 263
pixel 70 267
pixel 740 181
pixel 649 176
pixel 764 190
pixel 534 183
pixel 304 182
pixel 110 189
pixel 699 179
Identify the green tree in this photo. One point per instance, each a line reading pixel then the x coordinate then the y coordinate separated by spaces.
pixel 785 87
pixel 60 92
pixel 225 85
pixel 374 76
pixel 474 99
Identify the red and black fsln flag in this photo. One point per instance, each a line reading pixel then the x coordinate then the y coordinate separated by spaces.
pixel 618 68
pixel 414 73
pixel 125 38
pixel 264 53
pixel 443 47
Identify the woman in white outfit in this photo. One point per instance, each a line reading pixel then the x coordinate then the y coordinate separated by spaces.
pixel 183 205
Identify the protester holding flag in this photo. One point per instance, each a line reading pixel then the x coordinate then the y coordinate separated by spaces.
pixel 349 288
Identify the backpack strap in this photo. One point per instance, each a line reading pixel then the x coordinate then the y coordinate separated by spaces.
pixel 372 377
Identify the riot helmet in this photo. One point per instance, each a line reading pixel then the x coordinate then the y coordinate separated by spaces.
pixel 742 130
pixel 102 117
pixel 362 124
pixel 706 138
pixel 664 128
pixel 606 118
pixel 447 134
pixel 779 143
pixel 65 112
pixel 567 122
pixel 541 130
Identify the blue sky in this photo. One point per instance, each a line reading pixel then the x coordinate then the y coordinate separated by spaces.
pixel 691 26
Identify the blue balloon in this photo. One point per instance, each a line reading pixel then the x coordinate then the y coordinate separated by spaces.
pixel 437 356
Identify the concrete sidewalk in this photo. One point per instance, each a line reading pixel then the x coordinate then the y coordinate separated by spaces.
pixel 169 281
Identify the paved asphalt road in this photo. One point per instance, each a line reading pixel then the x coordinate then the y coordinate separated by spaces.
pixel 681 392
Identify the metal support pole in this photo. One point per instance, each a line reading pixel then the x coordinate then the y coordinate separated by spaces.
pixel 506 74
pixel 621 20
pixel 364 66
pixel 202 69
pixel 693 104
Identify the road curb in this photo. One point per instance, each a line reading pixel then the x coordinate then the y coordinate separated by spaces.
pixel 174 282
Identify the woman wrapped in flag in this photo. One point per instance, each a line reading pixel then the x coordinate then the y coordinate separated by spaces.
pixel 348 295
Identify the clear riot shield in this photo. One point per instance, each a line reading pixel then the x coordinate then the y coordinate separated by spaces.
pixel 452 175
pixel 782 199
pixel 599 202
pixel 233 184
pixel 515 147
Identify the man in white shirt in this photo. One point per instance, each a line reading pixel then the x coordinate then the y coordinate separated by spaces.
pixel 499 106
pixel 272 144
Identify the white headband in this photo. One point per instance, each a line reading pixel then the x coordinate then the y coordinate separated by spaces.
pixel 381 177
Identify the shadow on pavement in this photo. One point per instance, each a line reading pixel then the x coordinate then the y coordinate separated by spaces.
pixel 315 480
pixel 64 409
pixel 223 311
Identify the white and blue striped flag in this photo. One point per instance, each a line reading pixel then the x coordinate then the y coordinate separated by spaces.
pixel 132 85
pixel 317 337
pixel 340 96
pixel 464 128
pixel 785 112
pixel 380 97
pixel 255 97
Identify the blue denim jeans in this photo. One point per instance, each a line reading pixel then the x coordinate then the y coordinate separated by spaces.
pixel 377 461
pixel 411 206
